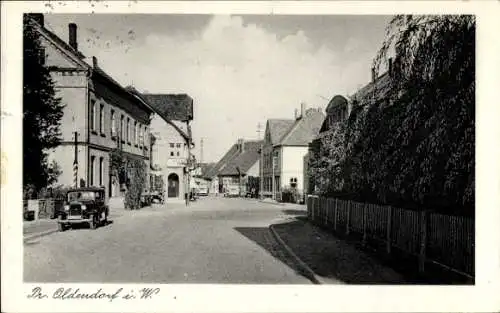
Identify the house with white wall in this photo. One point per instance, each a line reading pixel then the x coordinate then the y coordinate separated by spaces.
pixel 172 156
pixel 286 143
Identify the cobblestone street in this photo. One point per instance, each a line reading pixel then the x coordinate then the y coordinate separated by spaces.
pixel 214 240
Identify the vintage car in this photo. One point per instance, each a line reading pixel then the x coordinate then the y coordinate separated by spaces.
pixel 84 205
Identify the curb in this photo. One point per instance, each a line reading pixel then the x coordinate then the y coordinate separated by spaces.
pixel 273 203
pixel 305 269
pixel 38 235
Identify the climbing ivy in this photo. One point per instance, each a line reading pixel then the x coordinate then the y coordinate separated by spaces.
pixel 131 172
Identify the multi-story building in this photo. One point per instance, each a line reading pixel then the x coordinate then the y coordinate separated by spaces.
pixel 285 144
pixel 173 160
pixel 99 115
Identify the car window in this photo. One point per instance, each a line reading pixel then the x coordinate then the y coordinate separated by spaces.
pixel 81 195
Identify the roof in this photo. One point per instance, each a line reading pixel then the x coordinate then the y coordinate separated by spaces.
pixel 243 161
pixel 278 128
pixel 159 112
pixel 58 39
pixel 98 73
pixel 379 88
pixel 176 107
pixel 304 129
pixel 214 170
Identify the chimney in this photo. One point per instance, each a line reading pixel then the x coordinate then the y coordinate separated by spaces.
pixel 373 74
pixel 38 17
pixel 302 109
pixel 390 67
pixel 94 62
pixel 72 36
pixel 296 114
pixel 241 145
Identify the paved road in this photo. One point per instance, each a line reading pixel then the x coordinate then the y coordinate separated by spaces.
pixel 215 240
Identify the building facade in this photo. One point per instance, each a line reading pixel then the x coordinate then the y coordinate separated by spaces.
pixel 173 160
pixel 286 143
pixel 237 170
pixel 99 115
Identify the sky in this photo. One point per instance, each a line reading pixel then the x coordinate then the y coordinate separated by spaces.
pixel 240 70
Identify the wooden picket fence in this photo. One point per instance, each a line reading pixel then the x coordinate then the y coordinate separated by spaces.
pixel 444 240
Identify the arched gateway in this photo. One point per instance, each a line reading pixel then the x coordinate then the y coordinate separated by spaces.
pixel 173 185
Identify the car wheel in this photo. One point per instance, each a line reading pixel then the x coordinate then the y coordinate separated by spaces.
pixel 61 227
pixel 93 222
pixel 104 218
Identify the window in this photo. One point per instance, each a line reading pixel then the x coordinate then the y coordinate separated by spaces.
pixel 178 145
pixel 141 136
pixel 177 153
pixel 92 165
pixel 101 119
pixel 172 145
pixel 128 130
pixel 122 128
pixel 136 134
pixel 113 123
pixel 101 170
pixel 42 56
pixel 92 115
pixel 171 153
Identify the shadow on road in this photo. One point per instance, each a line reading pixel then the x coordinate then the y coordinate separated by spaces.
pixel 332 258
pixel 263 237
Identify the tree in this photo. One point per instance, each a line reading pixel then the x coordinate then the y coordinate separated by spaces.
pixel 419 151
pixel 42 110
pixel 413 144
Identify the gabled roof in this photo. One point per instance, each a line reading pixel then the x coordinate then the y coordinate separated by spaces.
pixel 205 168
pixel 176 107
pixel 243 161
pixel 278 128
pixel 214 171
pixel 57 39
pixel 134 91
pixel 304 130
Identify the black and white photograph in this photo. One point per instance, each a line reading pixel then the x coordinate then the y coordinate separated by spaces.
pixel 241 148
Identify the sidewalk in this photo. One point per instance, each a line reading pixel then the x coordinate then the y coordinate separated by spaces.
pixel 39 227
pixel 330 260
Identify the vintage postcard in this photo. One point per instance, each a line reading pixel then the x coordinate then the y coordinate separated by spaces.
pixel 250 156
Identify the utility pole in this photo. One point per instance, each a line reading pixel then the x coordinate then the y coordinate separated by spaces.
pixel 75 162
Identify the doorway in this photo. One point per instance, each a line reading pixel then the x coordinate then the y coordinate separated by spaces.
pixel 173 185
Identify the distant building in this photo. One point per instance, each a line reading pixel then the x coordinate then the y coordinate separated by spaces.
pixel 201 182
pixel 238 167
pixel 102 113
pixel 172 156
pixel 285 145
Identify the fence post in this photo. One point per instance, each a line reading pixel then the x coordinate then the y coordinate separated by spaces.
pixel 388 241
pixel 364 224
pixel 348 205
pixel 327 201
pixel 423 241
pixel 335 212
